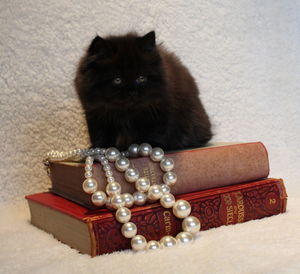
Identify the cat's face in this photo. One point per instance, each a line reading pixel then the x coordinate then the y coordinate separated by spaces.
pixel 122 72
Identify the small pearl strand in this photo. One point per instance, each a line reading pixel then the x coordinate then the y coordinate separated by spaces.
pixel 115 200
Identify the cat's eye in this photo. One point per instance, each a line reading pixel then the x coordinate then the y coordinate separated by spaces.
pixel 117 81
pixel 141 79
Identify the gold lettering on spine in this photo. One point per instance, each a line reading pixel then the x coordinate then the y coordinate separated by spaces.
pixel 229 219
pixel 150 173
pixel 167 220
pixel 146 172
pixel 229 209
pixel 240 206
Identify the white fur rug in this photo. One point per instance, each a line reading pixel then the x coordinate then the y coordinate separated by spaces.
pixel 269 245
pixel 245 55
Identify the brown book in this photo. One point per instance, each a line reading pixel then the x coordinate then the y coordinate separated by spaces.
pixel 98 232
pixel 197 169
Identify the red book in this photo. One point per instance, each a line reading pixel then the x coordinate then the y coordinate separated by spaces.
pixel 197 169
pixel 98 232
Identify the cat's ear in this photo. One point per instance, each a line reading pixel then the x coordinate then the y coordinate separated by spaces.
pixel 147 42
pixel 98 46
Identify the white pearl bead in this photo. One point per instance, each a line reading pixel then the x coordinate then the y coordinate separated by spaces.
pixel 140 198
pixel 110 179
pixel 156 154
pixel 123 214
pixel 133 150
pixel 181 209
pixel 117 201
pixel 89 162
pixel 122 164
pixel 108 203
pixel 113 188
pixel 142 184
pixel 167 164
pixel 191 224
pixel 170 178
pixel 145 149
pixel 184 237
pixel 155 192
pixel 129 230
pixel 138 242
pixel 88 168
pixel 167 200
pixel 88 174
pixel 106 167
pixel 103 161
pixel 165 188
pixel 153 245
pixel 99 198
pixel 112 154
pixel 128 198
pixel 131 174
pixel 108 173
pixel 167 241
pixel 89 185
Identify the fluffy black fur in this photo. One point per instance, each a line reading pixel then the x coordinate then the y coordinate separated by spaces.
pixel 134 91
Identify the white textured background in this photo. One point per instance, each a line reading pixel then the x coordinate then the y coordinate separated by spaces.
pixel 245 56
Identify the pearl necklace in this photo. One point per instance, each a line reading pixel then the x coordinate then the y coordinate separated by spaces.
pixel 115 200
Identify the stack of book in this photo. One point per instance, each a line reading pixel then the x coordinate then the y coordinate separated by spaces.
pixel 225 183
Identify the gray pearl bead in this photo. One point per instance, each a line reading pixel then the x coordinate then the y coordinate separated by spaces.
pixel 125 154
pixel 156 154
pixel 131 175
pixel 90 152
pixel 133 150
pixel 145 149
pixel 167 164
pixel 97 150
pixel 102 151
pixel 112 154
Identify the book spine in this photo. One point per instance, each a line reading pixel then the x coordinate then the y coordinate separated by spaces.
pixel 196 170
pixel 227 208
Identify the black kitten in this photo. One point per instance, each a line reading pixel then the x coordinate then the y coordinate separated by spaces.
pixel 134 91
